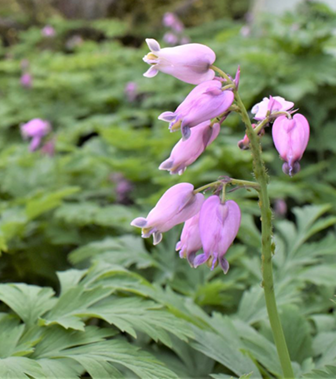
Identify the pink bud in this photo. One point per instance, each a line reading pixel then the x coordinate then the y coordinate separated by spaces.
pixel 278 104
pixel 190 241
pixel 177 205
pixel 26 80
pixel 204 102
pixel 189 63
pixel 290 137
pixel 35 129
pixel 218 224
pixel 185 152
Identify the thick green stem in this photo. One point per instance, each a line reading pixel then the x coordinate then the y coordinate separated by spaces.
pixel 267 250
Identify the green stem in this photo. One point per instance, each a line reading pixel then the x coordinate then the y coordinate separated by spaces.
pixel 267 248
pixel 213 184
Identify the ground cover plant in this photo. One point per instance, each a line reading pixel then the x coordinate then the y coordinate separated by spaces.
pixel 82 295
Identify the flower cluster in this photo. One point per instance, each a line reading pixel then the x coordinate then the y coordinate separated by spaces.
pixel 210 224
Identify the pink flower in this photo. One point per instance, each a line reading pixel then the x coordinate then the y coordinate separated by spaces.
pixel 218 224
pixel 177 205
pixel 35 129
pixel 204 102
pixel 189 63
pixel 185 152
pixel 190 241
pixel 290 137
pixel 277 104
pixel 26 80
pixel 48 148
pixel 48 31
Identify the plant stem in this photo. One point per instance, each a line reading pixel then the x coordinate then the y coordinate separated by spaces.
pixel 267 248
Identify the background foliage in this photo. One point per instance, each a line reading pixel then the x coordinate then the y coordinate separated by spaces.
pixel 118 307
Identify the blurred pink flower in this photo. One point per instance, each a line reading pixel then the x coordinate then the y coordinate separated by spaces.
pixel 26 80
pixel 48 31
pixel 35 129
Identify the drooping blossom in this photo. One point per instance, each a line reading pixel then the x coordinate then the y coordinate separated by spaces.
pixel 48 31
pixel 189 63
pixel 26 80
pixel 185 152
pixel 131 91
pixel 218 225
pixel 35 129
pixel 278 104
pixel 204 102
pixel 190 241
pixel 290 137
pixel 177 205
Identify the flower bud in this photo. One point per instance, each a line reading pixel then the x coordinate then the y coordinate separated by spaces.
pixel 290 137
pixel 204 102
pixel 185 152
pixel 273 104
pixel 190 241
pixel 189 63
pixel 177 205
pixel 35 129
pixel 218 225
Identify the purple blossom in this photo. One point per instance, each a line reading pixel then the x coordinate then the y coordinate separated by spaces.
pixel 279 104
pixel 185 152
pixel 190 241
pixel 218 224
pixel 35 129
pixel 48 31
pixel 290 137
pixel 189 63
pixel 204 102
pixel 177 205
pixel 26 80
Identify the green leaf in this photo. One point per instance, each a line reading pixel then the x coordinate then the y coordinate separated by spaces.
pixel 45 202
pixel 27 301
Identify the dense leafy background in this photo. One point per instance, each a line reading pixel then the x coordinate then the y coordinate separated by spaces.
pixel 117 306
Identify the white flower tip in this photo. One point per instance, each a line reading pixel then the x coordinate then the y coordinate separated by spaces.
pixel 166 165
pixel 139 222
pixel 167 116
pixel 153 44
pixel 151 72
pixel 157 238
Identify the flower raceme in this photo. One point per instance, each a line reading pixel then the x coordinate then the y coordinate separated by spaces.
pixel 290 137
pixel 204 102
pixel 177 205
pixel 185 152
pixel 189 63
pixel 35 129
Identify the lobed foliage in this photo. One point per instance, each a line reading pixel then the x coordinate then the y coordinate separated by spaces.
pixel 119 307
